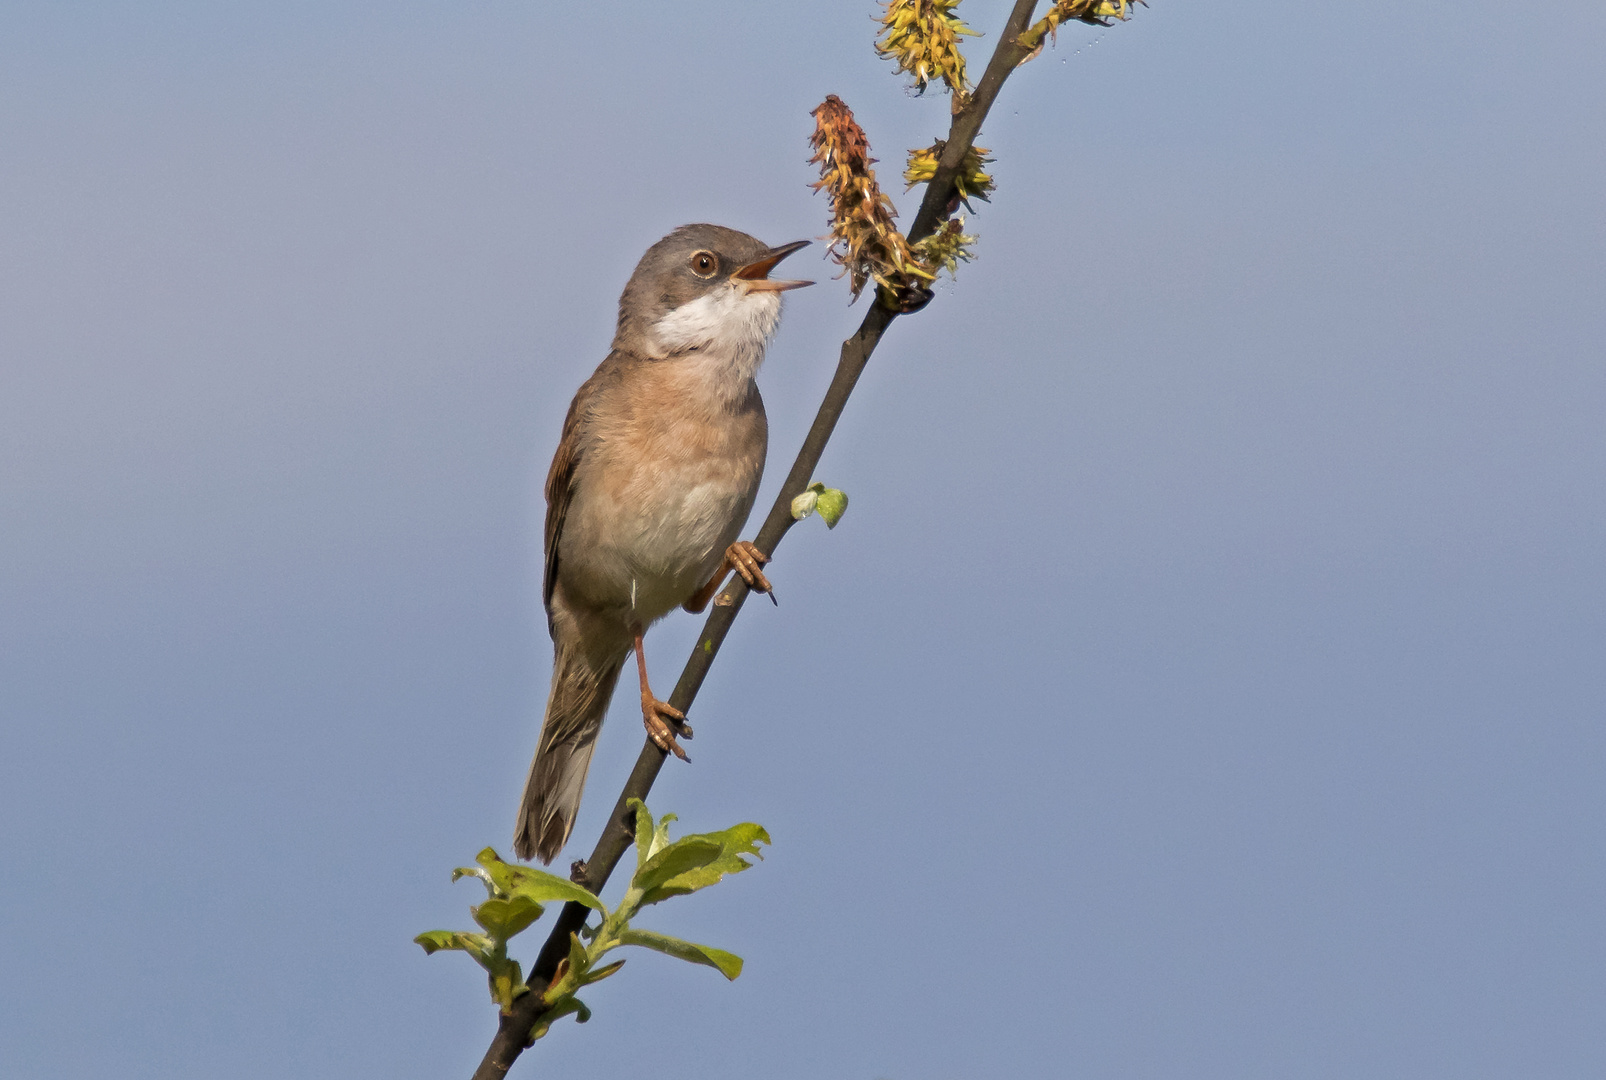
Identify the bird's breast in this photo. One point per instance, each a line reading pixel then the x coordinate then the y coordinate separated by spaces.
pixel 662 490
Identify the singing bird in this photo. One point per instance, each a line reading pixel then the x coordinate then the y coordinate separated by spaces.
pixel 657 469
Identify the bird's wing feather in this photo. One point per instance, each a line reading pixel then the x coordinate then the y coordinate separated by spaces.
pixel 560 478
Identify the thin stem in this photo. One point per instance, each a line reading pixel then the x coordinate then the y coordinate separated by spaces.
pixel 966 124
pixel 513 1033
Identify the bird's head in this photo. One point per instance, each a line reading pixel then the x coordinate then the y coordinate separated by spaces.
pixel 704 289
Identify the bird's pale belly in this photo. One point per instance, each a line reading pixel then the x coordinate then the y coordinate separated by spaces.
pixel 645 551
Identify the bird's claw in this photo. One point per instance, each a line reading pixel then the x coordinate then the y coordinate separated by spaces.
pixel 747 561
pixel 664 722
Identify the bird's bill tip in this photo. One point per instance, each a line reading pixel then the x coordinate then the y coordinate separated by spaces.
pixel 758 271
pixel 769 284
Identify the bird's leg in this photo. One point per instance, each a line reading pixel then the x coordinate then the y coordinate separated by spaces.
pixel 746 560
pixel 663 720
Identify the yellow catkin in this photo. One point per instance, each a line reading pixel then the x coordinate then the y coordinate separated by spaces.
pixel 972 181
pixel 946 248
pixel 1097 12
pixel 922 38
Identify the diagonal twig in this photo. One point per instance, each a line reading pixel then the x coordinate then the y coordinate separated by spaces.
pixel 512 1034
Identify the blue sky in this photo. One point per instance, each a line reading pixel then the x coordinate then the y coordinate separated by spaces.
pixel 1206 680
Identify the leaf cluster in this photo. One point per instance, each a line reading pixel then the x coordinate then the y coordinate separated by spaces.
pixel 830 503
pixel 517 895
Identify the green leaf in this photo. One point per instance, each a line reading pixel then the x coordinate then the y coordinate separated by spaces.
pixel 505 976
pixel 507 983
pixel 478 946
pixel 570 971
pixel 643 832
pixel 579 959
pixel 601 973
pixel 727 964
pixel 687 853
pixel 832 505
pixel 475 872
pixel 570 975
pixel 650 838
pixel 568 1005
pixel 734 843
pixel 504 918
pixel 660 834
pixel 533 884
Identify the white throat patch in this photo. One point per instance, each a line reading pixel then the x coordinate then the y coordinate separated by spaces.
pixel 730 326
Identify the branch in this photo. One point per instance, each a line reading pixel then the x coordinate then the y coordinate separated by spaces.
pixel 512 1035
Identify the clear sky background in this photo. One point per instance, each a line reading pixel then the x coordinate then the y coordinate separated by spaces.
pixel 1207 680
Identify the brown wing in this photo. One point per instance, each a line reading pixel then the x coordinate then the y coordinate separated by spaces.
pixel 560 478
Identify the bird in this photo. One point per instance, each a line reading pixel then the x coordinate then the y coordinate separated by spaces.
pixel 655 473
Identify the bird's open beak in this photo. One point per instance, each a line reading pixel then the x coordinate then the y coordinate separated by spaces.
pixel 754 277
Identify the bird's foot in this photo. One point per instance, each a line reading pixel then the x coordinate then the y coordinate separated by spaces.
pixel 664 722
pixel 747 561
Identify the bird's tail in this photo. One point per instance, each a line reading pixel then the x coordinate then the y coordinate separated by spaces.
pixel 582 686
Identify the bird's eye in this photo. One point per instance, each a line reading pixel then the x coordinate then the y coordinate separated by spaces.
pixel 704 263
